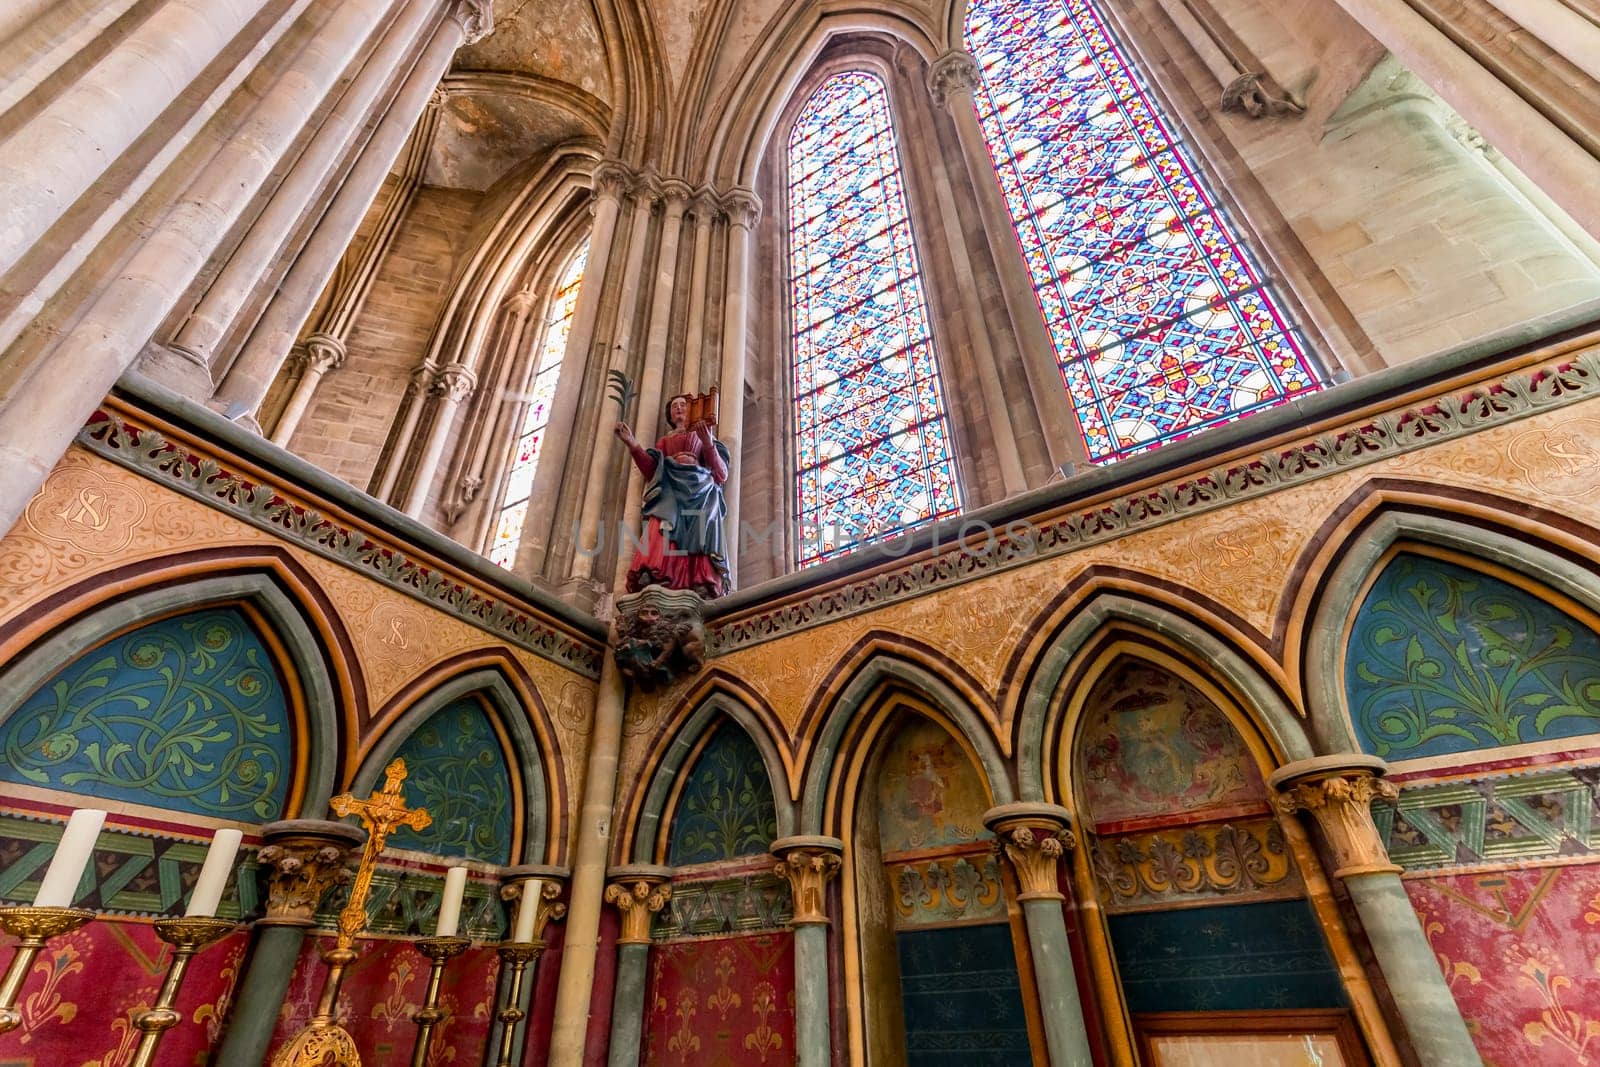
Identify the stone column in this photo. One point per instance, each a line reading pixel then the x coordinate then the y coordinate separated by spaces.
pixel 1543 151
pixel 1566 32
pixel 744 211
pixel 1032 838
pixel 251 374
pixel 450 389
pixel 1338 792
pixel 951 80
pixel 316 356
pixel 637 891
pixel 705 213
pixel 218 307
pixel 304 858
pixel 59 154
pixel 809 862
pixel 490 424
pixel 549 882
pixel 611 180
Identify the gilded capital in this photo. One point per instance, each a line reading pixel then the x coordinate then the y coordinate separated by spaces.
pixel 951 74
pixel 638 892
pixel 304 858
pixel 1338 791
pixel 743 208
pixel 808 862
pixel 551 883
pixel 1032 837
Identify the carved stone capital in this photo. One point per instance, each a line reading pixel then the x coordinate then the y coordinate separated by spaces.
pixel 1338 791
pixel 808 861
pixel 612 179
pixel 520 303
pixel 304 859
pixel 743 208
pixel 476 18
pixel 454 383
pixel 676 193
pixel 638 892
pixel 706 205
pixel 1033 837
pixel 952 74
pixel 552 882
pixel 421 381
pixel 323 353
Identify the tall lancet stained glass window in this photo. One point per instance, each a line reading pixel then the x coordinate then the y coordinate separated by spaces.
pixel 1163 323
pixel 873 450
pixel 540 395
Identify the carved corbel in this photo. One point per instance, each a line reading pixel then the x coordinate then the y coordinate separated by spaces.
pixel 304 858
pixel 1033 838
pixel 638 892
pixel 1338 791
pixel 808 862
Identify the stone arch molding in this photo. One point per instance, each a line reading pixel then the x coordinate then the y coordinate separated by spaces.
pixel 1358 559
pixel 527 760
pixel 320 747
pixel 857 699
pixel 651 825
pixel 1261 700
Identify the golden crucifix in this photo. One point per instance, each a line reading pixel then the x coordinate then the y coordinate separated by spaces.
pixel 323 1042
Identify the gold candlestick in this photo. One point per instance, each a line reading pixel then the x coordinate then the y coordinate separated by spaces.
pixel 516 955
pixel 32 927
pixel 187 936
pixel 323 1042
pixel 440 950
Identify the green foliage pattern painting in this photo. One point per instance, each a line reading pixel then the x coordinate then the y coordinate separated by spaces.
pixel 187 713
pixel 1445 659
pixel 458 771
pixel 726 807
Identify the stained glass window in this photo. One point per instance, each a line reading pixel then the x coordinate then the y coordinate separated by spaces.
pixel 525 461
pixel 1163 324
pixel 873 451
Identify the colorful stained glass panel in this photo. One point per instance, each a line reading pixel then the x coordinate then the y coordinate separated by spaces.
pixel 525 459
pixel 1163 324
pixel 873 453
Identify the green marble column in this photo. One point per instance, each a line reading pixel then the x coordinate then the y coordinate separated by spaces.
pixel 637 891
pixel 809 861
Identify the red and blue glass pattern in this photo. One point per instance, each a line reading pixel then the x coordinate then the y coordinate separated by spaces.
pixel 1163 324
pixel 525 461
pixel 873 452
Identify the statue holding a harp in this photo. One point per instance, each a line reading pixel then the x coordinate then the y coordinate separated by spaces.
pixel 685 535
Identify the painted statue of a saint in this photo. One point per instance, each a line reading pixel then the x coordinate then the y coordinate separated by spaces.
pixel 685 536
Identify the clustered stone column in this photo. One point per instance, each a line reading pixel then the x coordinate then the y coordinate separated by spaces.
pixel 638 892
pixel 809 862
pixel 1033 838
pixel 1337 791
pixel 744 211
pixel 304 859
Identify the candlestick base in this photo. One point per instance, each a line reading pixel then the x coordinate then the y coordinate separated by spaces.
pixel 440 950
pixel 32 927
pixel 187 936
pixel 515 955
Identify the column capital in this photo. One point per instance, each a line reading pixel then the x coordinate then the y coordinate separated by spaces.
pixel 611 180
pixel 520 302
pixel 706 205
pixel 743 207
pixel 1032 837
pixel 952 74
pixel 677 194
pixel 323 352
pixel 475 17
pixel 305 858
pixel 1338 792
pixel 638 891
pixel 551 882
pixel 454 383
pixel 808 861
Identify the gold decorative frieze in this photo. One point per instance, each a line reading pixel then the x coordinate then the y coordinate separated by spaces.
pixel 1195 864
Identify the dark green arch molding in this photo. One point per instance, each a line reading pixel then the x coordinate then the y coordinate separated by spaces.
pixel 317 752
pixel 716 708
pixel 847 707
pixel 1263 702
pixel 1324 682
pixel 496 691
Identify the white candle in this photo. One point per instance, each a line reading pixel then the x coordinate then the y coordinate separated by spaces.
pixel 60 886
pixel 455 887
pixel 527 909
pixel 214 874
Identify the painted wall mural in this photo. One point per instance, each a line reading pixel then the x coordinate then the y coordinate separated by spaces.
pixel 1153 745
pixel 187 713
pixel 458 771
pixel 1521 953
pixel 1238 957
pixel 962 1000
pixel 727 1001
pixel 726 808
pixel 930 793
pixel 1444 659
